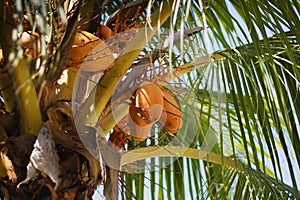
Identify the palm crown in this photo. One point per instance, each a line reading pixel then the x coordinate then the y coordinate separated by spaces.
pixel 229 70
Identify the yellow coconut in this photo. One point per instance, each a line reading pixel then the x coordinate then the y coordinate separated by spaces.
pixel 147 104
pixel 118 138
pixel 89 53
pixel 104 32
pixel 140 117
pixel 170 119
pixel 139 133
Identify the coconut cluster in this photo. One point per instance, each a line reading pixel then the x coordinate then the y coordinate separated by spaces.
pixel 149 104
pixel 152 104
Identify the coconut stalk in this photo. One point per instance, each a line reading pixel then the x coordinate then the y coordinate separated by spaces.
pixel 20 77
pixel 26 96
pixel 6 27
pixel 176 151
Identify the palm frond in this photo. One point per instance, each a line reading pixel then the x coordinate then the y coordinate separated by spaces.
pixel 256 50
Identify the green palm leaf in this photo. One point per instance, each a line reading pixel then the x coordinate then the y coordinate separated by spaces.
pixel 256 49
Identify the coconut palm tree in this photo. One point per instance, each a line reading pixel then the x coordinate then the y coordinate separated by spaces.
pixel 150 99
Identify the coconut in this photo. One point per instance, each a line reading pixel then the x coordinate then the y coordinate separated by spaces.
pixel 90 53
pixel 118 138
pixel 170 120
pixel 140 117
pixel 104 32
pixel 147 104
pixel 139 133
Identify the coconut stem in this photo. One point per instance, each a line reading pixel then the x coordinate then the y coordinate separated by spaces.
pixel 175 151
pixel 26 96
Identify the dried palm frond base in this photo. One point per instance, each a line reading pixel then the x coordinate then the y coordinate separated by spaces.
pixel 58 164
